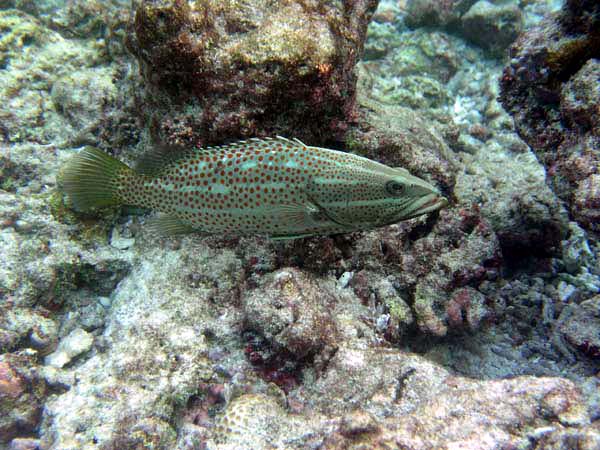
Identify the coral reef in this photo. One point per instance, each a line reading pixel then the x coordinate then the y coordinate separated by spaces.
pixel 551 89
pixel 242 69
pixel 476 327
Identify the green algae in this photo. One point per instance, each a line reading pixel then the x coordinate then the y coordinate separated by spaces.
pixel 399 310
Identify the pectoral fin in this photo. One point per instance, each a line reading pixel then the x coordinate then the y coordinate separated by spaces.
pixel 302 216
pixel 164 225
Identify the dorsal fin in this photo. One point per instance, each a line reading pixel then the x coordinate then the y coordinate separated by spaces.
pixel 156 159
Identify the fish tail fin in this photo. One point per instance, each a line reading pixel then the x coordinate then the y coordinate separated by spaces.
pixel 92 179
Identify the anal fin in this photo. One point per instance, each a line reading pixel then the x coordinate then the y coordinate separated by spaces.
pixel 291 236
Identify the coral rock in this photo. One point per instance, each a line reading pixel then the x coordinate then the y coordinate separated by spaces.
pixel 75 344
pixel 251 68
pixel 435 13
pixel 24 444
pixel 489 25
pixel 293 312
pixel 466 252
pixel 21 395
pixel 492 27
pixel 250 421
pixel 579 325
pixel 551 88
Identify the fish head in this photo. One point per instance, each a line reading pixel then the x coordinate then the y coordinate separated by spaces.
pixel 407 197
pixel 368 195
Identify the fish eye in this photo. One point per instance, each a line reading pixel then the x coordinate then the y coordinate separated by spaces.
pixel 394 188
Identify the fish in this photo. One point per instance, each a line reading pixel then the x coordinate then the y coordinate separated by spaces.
pixel 277 186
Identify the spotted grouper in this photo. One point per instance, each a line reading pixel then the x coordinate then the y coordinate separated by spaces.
pixel 278 187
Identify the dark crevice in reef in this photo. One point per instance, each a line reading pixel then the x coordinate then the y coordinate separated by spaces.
pixel 425 228
pixel 275 365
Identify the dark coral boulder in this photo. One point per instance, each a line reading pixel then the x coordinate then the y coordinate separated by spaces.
pixel 223 70
pixel 552 89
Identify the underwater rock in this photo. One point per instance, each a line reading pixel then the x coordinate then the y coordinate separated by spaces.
pixel 293 312
pixel 92 100
pixel 36 273
pixel 406 393
pixel 576 250
pixel 25 326
pixel 76 18
pixel 250 421
pixel 83 96
pixel 34 57
pixel 320 254
pixel 22 393
pixel 415 70
pixel 242 69
pixel 400 137
pixel 476 415
pixel 379 397
pixel 492 27
pixel 435 13
pixel 395 317
pixel 534 225
pixel 24 444
pixel 147 433
pixel 461 252
pixel 552 90
pixel 380 381
pixel 70 347
pixel 579 325
pixel 152 352
pixel 437 269
pixel 382 32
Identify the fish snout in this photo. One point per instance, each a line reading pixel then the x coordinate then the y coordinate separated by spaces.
pixel 436 202
pixel 429 203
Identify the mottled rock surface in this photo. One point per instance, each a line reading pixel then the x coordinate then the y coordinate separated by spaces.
pixel 552 90
pixel 22 392
pixel 491 25
pixel 579 326
pixel 244 69
pixel 434 13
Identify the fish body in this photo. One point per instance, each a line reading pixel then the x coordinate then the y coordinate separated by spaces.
pixel 279 187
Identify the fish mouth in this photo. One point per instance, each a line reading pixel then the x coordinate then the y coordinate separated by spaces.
pixel 434 204
pixel 427 204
